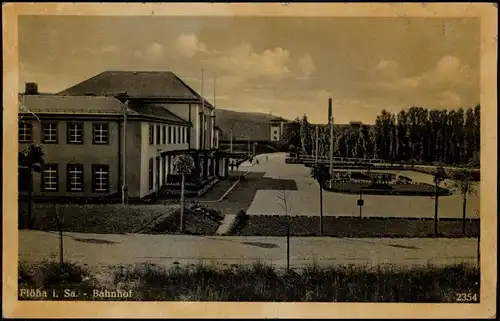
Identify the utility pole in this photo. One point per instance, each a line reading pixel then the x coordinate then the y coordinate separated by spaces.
pixel 231 140
pixel 330 122
pixel 317 143
pixel 124 155
pixel 202 142
pixel 213 117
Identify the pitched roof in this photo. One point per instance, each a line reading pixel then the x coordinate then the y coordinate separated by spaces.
pixel 136 84
pixel 55 104
pixel 157 111
pixel 91 105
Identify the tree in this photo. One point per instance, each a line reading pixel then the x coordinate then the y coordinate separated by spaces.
pixel 184 165
pixel 321 174
pixel 305 136
pixel 32 159
pixel 464 182
pixel 284 196
pixel 439 176
pixel 291 133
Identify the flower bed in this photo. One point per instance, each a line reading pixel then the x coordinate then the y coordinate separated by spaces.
pixel 416 189
pixel 197 221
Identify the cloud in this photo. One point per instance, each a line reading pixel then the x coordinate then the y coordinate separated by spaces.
pixel 387 65
pixel 306 65
pixel 271 64
pixel 188 45
pixel 448 72
pixel 154 50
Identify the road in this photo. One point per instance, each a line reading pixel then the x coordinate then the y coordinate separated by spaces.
pixel 110 249
pixel 305 201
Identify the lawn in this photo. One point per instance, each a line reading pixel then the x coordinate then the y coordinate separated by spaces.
pixel 95 218
pixel 258 283
pixel 243 194
pixel 276 225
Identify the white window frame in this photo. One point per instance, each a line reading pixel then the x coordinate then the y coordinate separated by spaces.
pixel 75 178
pixel 100 133
pixel 25 132
pixel 75 134
pixel 49 134
pixel 101 179
pixel 50 179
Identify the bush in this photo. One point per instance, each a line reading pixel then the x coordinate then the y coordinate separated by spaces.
pixel 262 282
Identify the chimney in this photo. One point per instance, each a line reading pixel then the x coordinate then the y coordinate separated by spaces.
pixel 31 88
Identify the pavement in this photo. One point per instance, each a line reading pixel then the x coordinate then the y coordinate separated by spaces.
pixel 305 201
pixel 111 249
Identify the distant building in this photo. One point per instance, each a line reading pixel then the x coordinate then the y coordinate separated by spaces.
pixel 277 126
pixel 355 124
pixel 81 129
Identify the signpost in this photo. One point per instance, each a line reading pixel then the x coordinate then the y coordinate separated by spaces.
pixel 361 202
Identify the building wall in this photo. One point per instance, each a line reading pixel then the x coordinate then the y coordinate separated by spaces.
pixel 275 133
pixel 86 154
pixel 149 151
pixel 182 110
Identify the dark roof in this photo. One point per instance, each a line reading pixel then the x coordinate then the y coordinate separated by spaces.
pixel 278 120
pixel 55 104
pixel 157 111
pixel 136 84
pixel 91 105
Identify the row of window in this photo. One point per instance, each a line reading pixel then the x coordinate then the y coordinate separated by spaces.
pixel 75 133
pixel 75 178
pixel 176 135
pixel 151 171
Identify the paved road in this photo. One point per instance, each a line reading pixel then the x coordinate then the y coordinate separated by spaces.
pixel 305 201
pixel 110 249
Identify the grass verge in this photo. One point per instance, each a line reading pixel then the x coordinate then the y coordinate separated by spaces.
pixel 276 225
pixel 259 283
pixel 96 218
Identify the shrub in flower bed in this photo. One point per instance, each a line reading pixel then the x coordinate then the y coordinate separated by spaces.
pixel 259 282
pixel 195 223
pixel 275 225
pixel 95 218
pixel 417 189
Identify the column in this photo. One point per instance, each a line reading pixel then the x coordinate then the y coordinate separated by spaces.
pixel 205 164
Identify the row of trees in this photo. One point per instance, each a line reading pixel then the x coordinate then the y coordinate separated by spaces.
pixel 414 135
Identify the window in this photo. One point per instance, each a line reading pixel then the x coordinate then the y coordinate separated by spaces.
pixel 275 132
pixel 49 133
pixel 174 139
pixel 25 132
pixel 74 178
pixel 150 174
pixel 163 134
pixel 100 133
pixel 275 138
pixel 75 133
pixel 179 134
pixel 100 178
pixel 170 134
pixel 158 137
pixel 50 178
pixel 151 134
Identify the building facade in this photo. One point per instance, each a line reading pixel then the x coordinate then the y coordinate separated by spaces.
pixel 277 126
pixel 83 130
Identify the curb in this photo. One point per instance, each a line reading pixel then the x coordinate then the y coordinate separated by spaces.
pixel 225 194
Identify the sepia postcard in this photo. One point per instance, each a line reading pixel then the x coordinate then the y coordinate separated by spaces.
pixel 232 160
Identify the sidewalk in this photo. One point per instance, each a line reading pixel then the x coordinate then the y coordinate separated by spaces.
pixel 110 249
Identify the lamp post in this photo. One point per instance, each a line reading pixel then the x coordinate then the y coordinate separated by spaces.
pixel 124 155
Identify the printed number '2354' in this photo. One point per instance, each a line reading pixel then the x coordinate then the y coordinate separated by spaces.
pixel 467 297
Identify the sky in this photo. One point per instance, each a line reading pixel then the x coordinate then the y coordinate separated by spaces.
pixel 287 66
